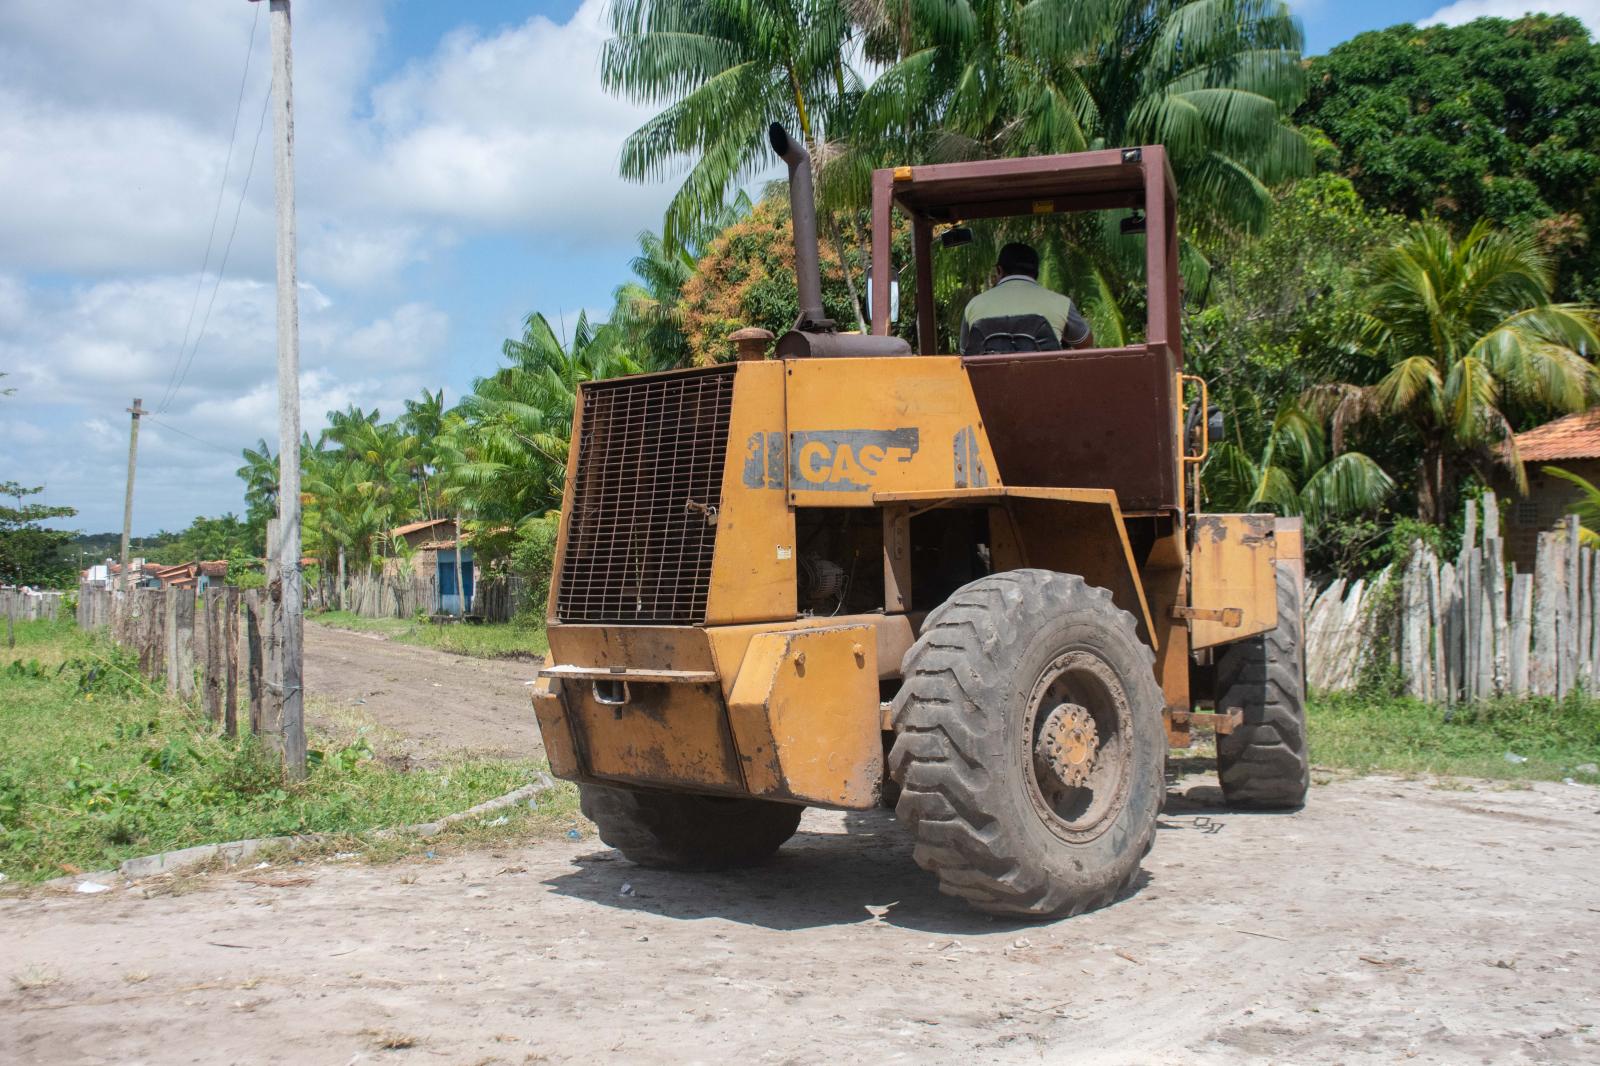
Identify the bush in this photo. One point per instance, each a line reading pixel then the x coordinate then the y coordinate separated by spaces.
pixel 533 556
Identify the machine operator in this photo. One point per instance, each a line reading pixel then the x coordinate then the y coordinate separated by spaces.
pixel 1017 314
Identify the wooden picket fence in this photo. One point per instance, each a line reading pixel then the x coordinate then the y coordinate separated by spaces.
pixel 211 646
pixel 496 599
pixel 29 605
pixel 1467 629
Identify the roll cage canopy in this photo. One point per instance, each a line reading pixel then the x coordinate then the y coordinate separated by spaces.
pixel 947 193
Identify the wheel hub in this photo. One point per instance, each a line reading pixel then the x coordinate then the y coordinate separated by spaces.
pixel 1067 745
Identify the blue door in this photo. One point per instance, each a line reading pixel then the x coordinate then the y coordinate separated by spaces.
pixel 449 587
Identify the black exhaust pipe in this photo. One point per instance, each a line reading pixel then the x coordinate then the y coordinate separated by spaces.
pixel 803 208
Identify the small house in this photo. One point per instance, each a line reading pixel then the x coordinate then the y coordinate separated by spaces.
pixel 433 546
pixel 1571 443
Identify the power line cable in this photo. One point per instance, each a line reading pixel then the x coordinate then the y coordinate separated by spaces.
pixel 216 211
pixel 191 436
pixel 222 268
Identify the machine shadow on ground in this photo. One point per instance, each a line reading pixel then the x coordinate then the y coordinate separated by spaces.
pixel 865 876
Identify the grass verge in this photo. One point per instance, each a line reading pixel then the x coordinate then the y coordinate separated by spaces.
pixel 1545 739
pixel 491 640
pixel 97 766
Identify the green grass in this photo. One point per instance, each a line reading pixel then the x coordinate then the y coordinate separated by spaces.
pixel 1372 733
pixel 97 767
pixel 491 640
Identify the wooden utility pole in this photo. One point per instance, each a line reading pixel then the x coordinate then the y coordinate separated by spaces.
pixel 286 546
pixel 127 498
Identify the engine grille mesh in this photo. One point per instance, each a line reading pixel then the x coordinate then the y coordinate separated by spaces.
pixel 649 476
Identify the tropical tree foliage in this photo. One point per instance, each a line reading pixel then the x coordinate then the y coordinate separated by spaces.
pixel 30 552
pixel 1492 119
pixel 1459 329
pixel 1294 474
pixel 504 455
pixel 723 70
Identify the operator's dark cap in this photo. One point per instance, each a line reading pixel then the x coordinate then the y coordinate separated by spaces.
pixel 1019 258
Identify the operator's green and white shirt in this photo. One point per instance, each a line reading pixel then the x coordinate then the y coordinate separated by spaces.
pixel 1020 315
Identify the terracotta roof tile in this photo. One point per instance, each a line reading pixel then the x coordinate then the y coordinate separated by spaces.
pixel 412 527
pixel 1575 436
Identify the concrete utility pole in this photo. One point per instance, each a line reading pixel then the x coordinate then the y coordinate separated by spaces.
pixel 127 499
pixel 287 546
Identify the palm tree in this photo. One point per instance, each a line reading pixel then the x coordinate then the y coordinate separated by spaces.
pixel 260 476
pixel 1212 80
pixel 1294 474
pixel 1586 506
pixel 724 69
pixel 648 311
pixel 504 453
pixel 1459 328
pixel 424 423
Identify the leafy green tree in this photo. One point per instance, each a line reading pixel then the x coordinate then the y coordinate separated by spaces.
pixel 723 69
pixel 1294 474
pixel 1459 329
pixel 223 537
pixel 1212 80
pixel 260 476
pixel 424 423
pixel 648 309
pixel 1586 506
pixel 1491 119
pixel 504 453
pixel 1282 312
pixel 30 554
pixel 746 278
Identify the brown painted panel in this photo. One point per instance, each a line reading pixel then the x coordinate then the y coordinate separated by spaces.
pixel 1101 418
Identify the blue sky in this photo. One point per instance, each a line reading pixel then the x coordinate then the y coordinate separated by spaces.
pixel 456 170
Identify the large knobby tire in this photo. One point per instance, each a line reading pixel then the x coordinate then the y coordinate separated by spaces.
pixel 1263 763
pixel 680 831
pixel 1001 659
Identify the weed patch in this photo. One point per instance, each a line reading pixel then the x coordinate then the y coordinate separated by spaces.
pixel 96 767
pixel 1536 738
pixel 495 640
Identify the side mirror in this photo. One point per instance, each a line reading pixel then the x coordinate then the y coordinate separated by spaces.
pixel 1214 423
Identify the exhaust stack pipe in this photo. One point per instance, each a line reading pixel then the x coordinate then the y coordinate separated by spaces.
pixel 803 208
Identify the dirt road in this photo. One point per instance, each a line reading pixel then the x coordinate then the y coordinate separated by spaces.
pixel 1389 921
pixel 430 703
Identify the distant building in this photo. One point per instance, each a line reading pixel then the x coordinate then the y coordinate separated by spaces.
pixel 433 543
pixel 1572 443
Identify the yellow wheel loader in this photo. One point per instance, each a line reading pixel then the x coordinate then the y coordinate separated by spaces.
pixel 839 572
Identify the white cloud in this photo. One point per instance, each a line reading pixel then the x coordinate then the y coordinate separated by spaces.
pixel 1588 11
pixel 114 123
pixel 514 129
pixel 112 140
pixel 92 348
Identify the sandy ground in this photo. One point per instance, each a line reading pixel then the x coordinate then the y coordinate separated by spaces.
pixel 431 703
pixel 1389 921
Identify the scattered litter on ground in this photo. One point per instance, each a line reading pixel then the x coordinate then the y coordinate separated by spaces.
pixel 625 890
pixel 89 888
pixel 502 820
pixel 1513 758
pixel 573 834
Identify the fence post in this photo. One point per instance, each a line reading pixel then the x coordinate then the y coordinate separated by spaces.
pixel 154 653
pixel 1545 597
pixel 213 652
pixel 183 643
pixel 230 647
pixel 1521 631
pixel 254 675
